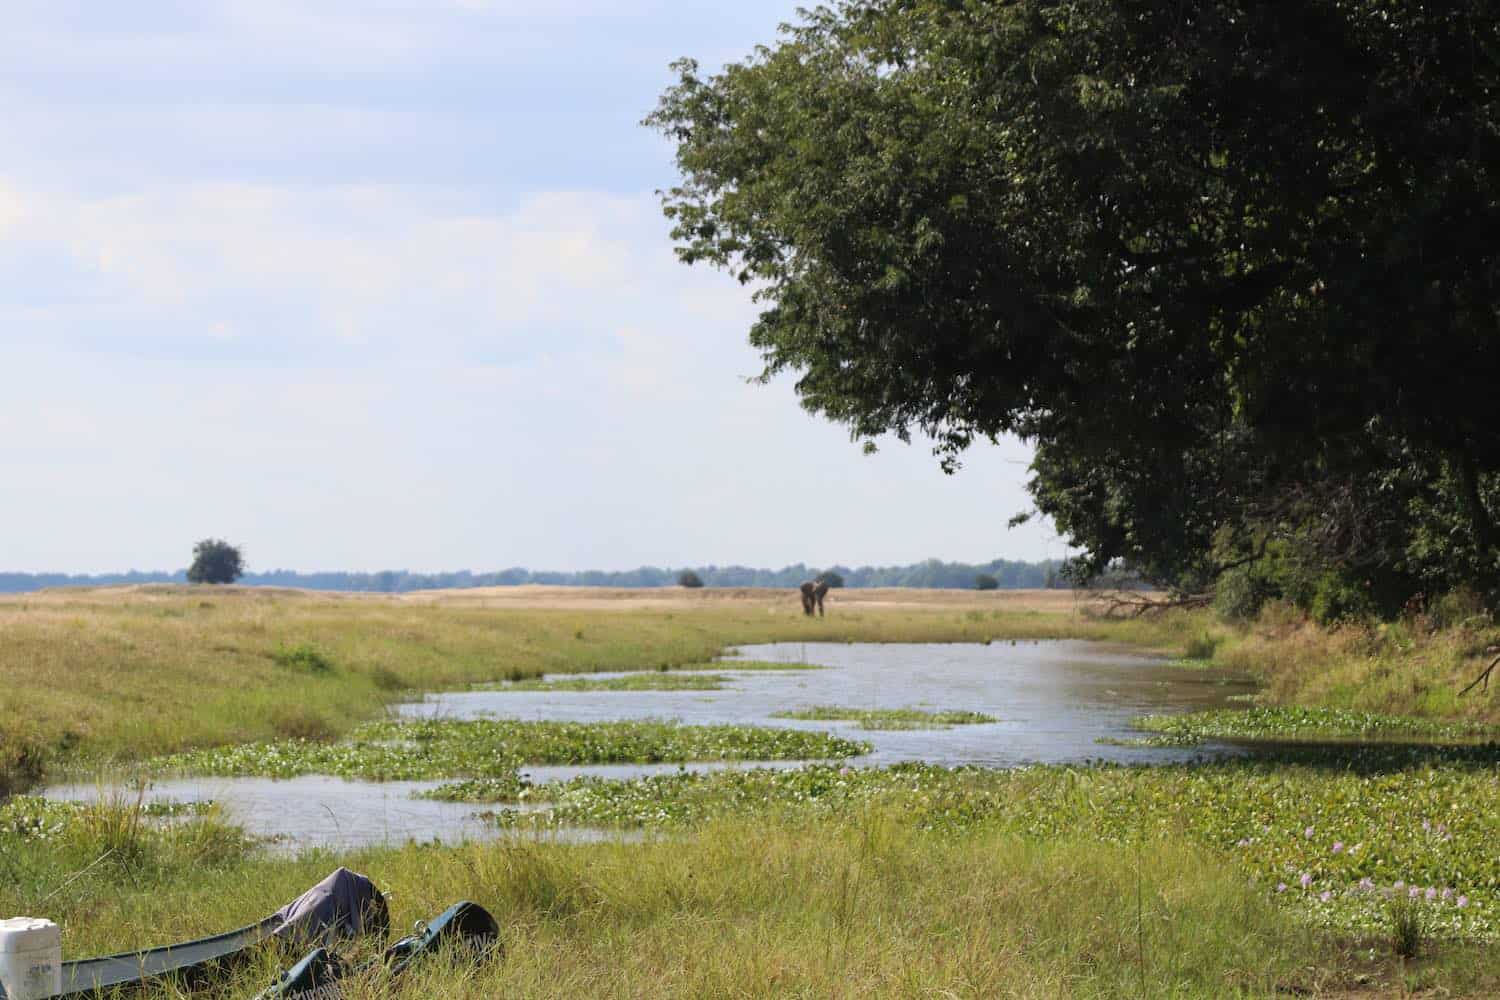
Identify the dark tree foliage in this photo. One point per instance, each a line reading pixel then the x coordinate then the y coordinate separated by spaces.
pixel 832 577
pixel 215 561
pixel 985 581
pixel 687 578
pixel 1230 266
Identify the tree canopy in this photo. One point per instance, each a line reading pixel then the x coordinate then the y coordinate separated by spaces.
pixel 1230 266
pixel 215 561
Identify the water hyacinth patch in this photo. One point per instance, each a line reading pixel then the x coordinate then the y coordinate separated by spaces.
pixel 653 680
pixel 1294 723
pixel 33 818
pixel 30 817
pixel 887 718
pixel 496 747
pixel 1257 814
pixel 688 797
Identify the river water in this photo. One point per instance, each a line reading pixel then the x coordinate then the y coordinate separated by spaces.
pixel 1054 702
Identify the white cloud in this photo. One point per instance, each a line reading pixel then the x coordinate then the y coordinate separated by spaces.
pixel 399 272
pixel 373 283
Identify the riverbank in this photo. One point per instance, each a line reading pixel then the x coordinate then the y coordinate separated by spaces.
pixel 121 674
pixel 1066 885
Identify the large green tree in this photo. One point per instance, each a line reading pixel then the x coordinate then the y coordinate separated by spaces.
pixel 215 561
pixel 1230 266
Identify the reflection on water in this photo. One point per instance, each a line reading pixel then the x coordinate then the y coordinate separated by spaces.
pixel 318 811
pixel 1054 700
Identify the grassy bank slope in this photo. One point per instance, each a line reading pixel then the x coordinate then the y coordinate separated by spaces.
pixel 1413 666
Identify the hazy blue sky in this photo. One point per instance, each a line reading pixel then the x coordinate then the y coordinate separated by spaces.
pixel 362 284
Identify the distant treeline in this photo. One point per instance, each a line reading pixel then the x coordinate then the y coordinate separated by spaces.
pixel 932 573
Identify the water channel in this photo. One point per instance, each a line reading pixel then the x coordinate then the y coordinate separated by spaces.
pixel 1054 701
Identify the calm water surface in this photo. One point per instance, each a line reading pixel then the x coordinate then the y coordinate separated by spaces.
pixel 1054 702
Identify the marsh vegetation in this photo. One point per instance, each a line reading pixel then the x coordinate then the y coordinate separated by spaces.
pixel 888 718
pixel 1294 869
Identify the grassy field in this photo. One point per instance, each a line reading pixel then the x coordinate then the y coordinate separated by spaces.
pixel 1291 875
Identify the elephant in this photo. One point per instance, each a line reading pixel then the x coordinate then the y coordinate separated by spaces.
pixel 813 593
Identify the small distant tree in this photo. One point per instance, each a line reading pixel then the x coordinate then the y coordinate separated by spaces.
pixel 215 561
pixel 985 581
pixel 687 578
pixel 833 579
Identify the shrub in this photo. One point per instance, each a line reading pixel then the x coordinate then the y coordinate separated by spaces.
pixel 1239 595
pixel 1201 647
pixel 985 581
pixel 1338 597
pixel 687 578
pixel 304 657
pixel 387 679
pixel 1408 925
pixel 21 760
pixel 834 579
pixel 298 722
pixel 1460 606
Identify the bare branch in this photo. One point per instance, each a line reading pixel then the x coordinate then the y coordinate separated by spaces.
pixel 1483 676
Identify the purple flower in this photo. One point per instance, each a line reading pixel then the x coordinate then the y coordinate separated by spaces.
pixel 1413 892
pixel 1447 894
pixel 1461 902
pixel 1431 893
pixel 1326 896
pixel 1244 842
pixel 1366 884
pixel 1305 880
pixel 1281 887
pixel 1338 847
pixel 1308 833
pixel 1398 885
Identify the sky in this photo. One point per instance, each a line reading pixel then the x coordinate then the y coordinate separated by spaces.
pixel 369 284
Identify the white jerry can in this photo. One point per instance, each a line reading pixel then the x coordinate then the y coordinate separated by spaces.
pixel 30 958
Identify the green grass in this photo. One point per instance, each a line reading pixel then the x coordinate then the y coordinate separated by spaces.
pixel 1285 723
pixel 868 907
pixel 1193 663
pixel 304 656
pixel 1426 826
pixel 1051 882
pixel 887 718
pixel 494 748
pixel 648 681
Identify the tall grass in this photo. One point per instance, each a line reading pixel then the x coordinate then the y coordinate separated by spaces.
pixel 864 908
pixel 1405 667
